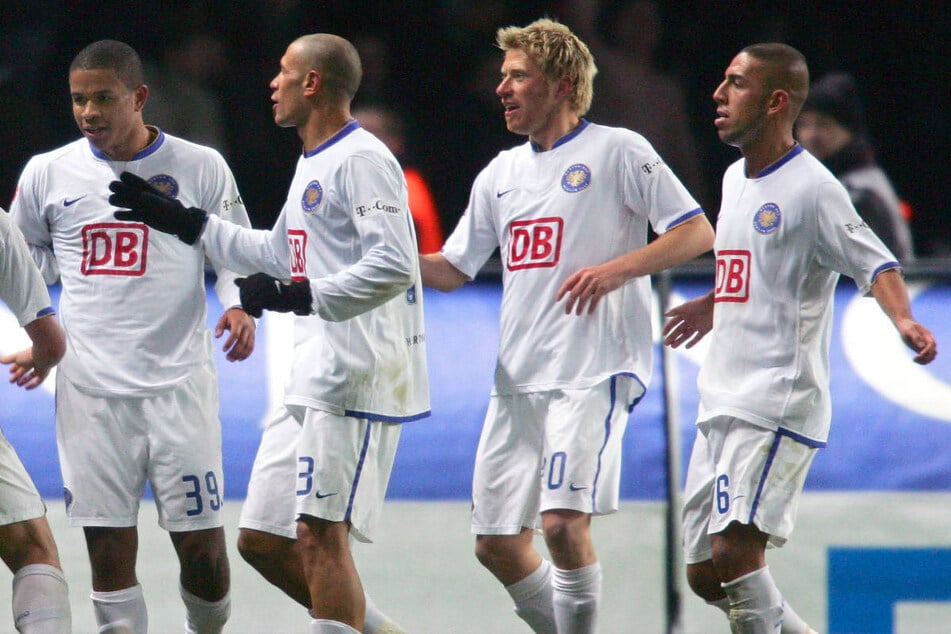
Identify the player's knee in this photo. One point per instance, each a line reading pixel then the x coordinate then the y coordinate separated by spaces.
pixel 201 551
pixel 703 582
pixel 491 551
pixel 250 547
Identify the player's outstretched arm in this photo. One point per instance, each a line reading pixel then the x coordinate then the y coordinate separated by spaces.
pixel 152 207
pixel 890 292
pixel 689 322
pixel 585 288
pixel 30 367
pixel 437 272
pixel 260 292
pixel 241 328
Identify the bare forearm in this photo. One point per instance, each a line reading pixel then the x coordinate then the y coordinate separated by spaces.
pixel 438 273
pixel 679 245
pixel 49 341
pixel 892 296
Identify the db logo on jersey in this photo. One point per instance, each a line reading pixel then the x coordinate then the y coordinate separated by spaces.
pixel 114 248
pixel 534 243
pixel 297 240
pixel 733 276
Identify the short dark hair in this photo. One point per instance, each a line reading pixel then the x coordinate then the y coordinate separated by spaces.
pixel 111 55
pixel 786 69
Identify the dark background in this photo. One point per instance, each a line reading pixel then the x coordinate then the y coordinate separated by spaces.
pixel 897 51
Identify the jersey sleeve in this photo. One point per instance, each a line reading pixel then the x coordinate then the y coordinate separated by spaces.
pixel 652 188
pixel 21 286
pixel 375 191
pixel 845 242
pixel 475 237
pixel 223 199
pixel 26 212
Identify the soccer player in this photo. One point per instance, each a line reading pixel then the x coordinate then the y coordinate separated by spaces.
pixel 136 394
pixel 786 230
pixel 342 256
pixel 40 594
pixel 569 210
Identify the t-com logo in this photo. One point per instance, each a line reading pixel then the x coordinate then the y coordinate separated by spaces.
pixel 534 243
pixel 733 276
pixel 297 241
pixel 115 248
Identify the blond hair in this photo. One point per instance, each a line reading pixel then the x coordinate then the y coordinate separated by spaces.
pixel 559 53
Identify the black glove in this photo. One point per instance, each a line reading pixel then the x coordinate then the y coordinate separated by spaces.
pixel 156 209
pixel 261 291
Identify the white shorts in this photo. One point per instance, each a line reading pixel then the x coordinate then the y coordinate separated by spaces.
pixel 19 499
pixel 559 449
pixel 270 504
pixel 110 446
pixel 336 468
pixel 745 473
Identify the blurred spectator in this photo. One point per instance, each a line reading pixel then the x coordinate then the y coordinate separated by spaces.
pixel 832 128
pixel 181 100
pixel 390 128
pixel 631 89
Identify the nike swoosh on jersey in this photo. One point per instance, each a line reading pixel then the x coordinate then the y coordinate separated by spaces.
pixel 572 487
pixel 500 194
pixel 67 202
pixel 321 496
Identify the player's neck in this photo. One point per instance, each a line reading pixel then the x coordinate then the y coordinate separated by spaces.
pixel 322 125
pixel 546 138
pixel 759 156
pixel 140 138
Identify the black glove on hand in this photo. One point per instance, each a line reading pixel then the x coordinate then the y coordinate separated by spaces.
pixel 157 210
pixel 261 291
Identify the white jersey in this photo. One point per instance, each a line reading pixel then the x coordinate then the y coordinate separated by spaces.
pixel 21 284
pixel 783 237
pixel 586 201
pixel 346 227
pixel 133 298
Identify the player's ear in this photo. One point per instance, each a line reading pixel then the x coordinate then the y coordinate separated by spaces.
pixel 778 101
pixel 140 95
pixel 312 82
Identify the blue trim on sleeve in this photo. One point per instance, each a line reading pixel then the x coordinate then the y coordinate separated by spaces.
pixel 888 266
pixel 49 310
pixel 684 218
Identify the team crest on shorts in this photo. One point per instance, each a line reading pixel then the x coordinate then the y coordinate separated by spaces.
pixel 165 184
pixel 576 178
pixel 313 195
pixel 767 218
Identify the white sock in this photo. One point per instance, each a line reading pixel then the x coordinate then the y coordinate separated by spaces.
pixel 203 616
pixel 532 597
pixel 326 626
pixel 723 604
pixel 121 611
pixel 756 606
pixel 792 622
pixel 375 622
pixel 41 600
pixel 576 598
